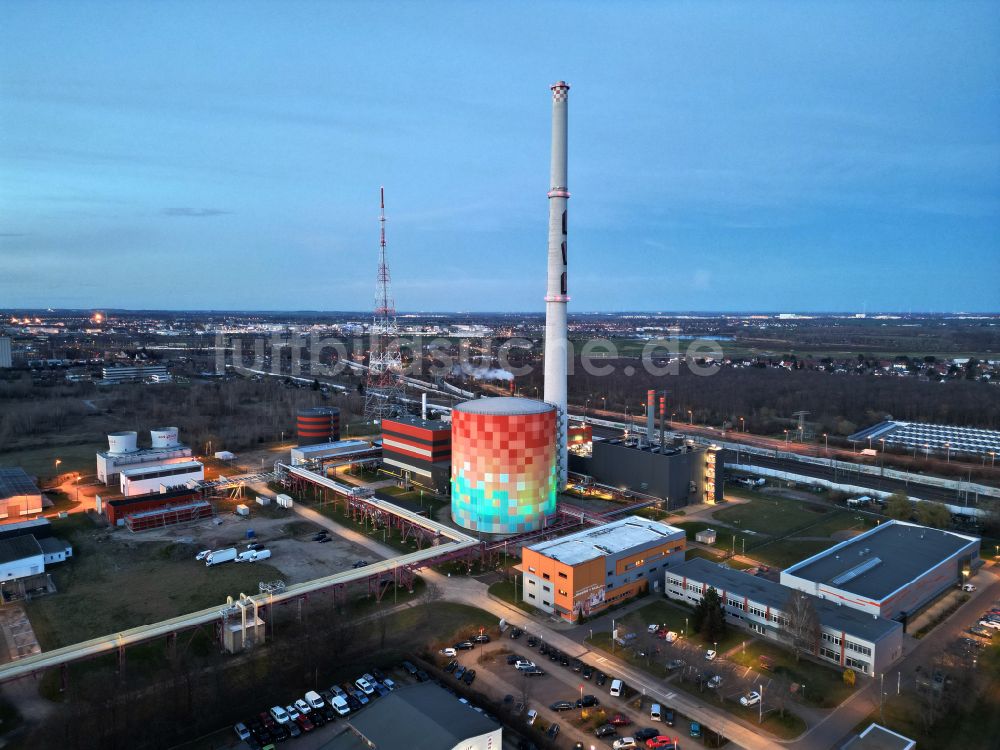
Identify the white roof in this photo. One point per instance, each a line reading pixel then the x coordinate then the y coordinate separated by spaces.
pixel 610 539
pixel 191 466
pixel 510 405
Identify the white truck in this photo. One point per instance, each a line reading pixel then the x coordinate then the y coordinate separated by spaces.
pixel 261 554
pixel 220 556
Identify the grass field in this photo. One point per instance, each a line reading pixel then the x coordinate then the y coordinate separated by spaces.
pixel 786 727
pixel 840 520
pixel 824 686
pixel 40 462
pixel 705 554
pixel 771 515
pixel 787 552
pixel 110 586
pixel 691 528
pixel 505 590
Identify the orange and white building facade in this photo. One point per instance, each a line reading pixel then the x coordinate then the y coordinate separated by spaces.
pixel 586 572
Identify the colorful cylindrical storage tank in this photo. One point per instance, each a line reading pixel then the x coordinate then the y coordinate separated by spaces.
pixel 504 471
pixel 318 424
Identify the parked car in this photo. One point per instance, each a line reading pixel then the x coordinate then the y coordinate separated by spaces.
pixel 670 636
pixel 606 730
pixel 981 631
pixel 523 664
pixel 968 587
pixel 465 645
pixel 532 641
pixel 624 743
pixel 516 633
pixel 675 663
pixel 645 733
pixel 533 672
pixel 306 723
pixel 531 717
pixel 340 705
pixel 750 699
pixel 661 742
pixel 587 701
pixel 302 707
pixel 389 683
pixel 459 672
pixel 619 720
pixel 364 686
pixel 254 546
pixel 448 652
pixel 714 681
pixel 292 712
pixel 422 676
pixel 482 638
pixel 451 667
pixel 314 699
pixel 470 675
pixel 241 731
pixel 695 729
pixel 588 672
pixel 553 731
pixel 359 564
pixel 616 688
pixel 710 655
pixel 279 715
pixel 669 717
pixel 562 706
pixel 601 679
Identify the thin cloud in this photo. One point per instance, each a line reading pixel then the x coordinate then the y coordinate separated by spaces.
pixel 195 212
pixel 13 234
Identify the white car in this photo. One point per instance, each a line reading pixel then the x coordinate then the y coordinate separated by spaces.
pixel 532 715
pixel 671 637
pixel 710 655
pixel 203 554
pixel 990 624
pixel 524 664
pixel 314 700
pixel 241 731
pixel 750 699
pixel 280 715
pixel 624 743
pixel 302 707
pixel 652 628
pixel 389 683
pixel 340 705
pixel 968 587
pixel 364 686
pixel 448 652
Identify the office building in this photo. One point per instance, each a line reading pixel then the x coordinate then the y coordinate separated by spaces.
pixel 587 571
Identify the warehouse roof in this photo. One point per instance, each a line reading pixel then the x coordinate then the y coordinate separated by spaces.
pixel 609 539
pixel 178 468
pixel 881 561
pixel 423 424
pixel 51 544
pixel 15 481
pixel 504 405
pixel 18 548
pixel 420 717
pixel 771 594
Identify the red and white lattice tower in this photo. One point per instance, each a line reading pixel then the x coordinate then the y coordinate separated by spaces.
pixel 385 364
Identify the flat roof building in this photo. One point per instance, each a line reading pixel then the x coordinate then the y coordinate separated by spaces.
pixel 877 737
pixel 340 451
pixel 588 571
pixel 420 450
pixel 893 570
pixel 420 717
pixel 19 495
pixel 848 638
pixel 146 479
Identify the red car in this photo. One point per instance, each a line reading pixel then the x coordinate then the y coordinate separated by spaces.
pixel 619 720
pixel 662 742
pixel 304 723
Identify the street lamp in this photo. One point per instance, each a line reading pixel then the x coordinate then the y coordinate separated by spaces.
pixel 690 417
pixel 993 459
pixel 826 442
pixel 743 425
pixel 947 448
pixel 786 438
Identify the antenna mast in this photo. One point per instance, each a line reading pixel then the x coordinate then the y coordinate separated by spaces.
pixel 385 363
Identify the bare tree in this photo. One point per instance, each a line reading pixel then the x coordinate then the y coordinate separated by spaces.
pixel 803 623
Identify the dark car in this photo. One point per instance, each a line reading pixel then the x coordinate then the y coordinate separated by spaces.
pixel 320 535
pixel 606 730
pixel 620 720
pixel 378 674
pixel 553 655
pixel 587 701
pixel 668 717
pixel 255 546
pixel 317 718
pixel 562 706
pixel 362 698
pixel 352 702
pixel 564 660
pixel 553 731
pixel 422 676
pixel 328 713
pixel 360 564
pixel 543 649
pixel 513 659
pixel 452 666
pixel 577 665
pixel 470 675
pixel 532 641
pixel 481 638
pixel 601 679
pixel 536 672
pixel 588 672
pixel 459 672
pixel 516 633
pixel 646 733
pixel 305 722
pixel 508 699
pixel 464 646
pixel 410 669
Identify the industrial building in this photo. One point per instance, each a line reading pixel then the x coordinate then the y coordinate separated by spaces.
pixel 848 637
pixel 590 570
pixel 19 495
pixel 115 374
pixel 683 474
pixel 168 515
pixel 893 570
pixel 27 549
pixel 146 479
pixel 504 464
pixel 6 359
pixel 119 509
pixel 337 453
pixel 419 450
pixel 423 716
pixel 318 424
pixel 123 453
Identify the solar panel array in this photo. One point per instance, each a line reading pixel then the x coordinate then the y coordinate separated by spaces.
pixel 14 481
pixel 941 438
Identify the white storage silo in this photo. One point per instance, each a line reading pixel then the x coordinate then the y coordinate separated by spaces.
pixel 122 442
pixel 164 437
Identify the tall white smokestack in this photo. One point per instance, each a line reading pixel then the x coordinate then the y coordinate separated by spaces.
pixel 557 292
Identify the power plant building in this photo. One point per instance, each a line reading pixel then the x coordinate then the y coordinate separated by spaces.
pixel 679 475
pixel 340 452
pixel 419 450
pixel 113 375
pixel 5 353
pixel 123 453
pixel 146 479
pixel 504 467
pixel 588 571
pixel 318 424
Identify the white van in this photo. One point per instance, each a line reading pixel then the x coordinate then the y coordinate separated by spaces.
pixel 616 688
pixel 261 554
pixel 654 712
pixel 314 700
pixel 247 556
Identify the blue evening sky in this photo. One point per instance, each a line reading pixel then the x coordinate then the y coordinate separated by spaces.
pixel 789 156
